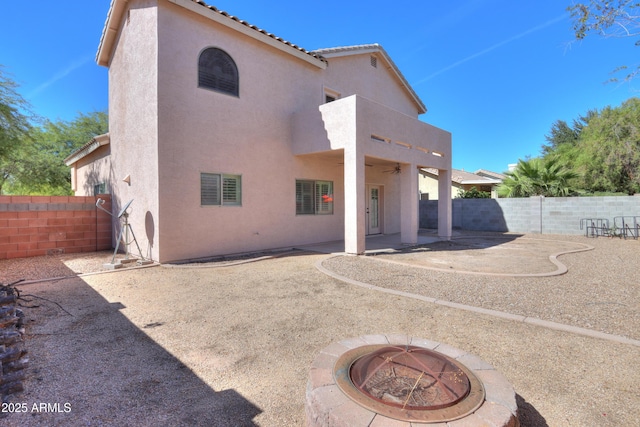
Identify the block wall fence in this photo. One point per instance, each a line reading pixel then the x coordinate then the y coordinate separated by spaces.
pixel 46 225
pixel 542 215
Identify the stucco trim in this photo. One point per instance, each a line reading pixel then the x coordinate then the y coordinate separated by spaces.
pixel 336 52
pixel 87 149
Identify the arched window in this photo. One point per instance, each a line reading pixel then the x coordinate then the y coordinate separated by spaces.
pixel 218 71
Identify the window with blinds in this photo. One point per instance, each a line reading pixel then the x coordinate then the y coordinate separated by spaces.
pixel 220 189
pixel 314 197
pixel 218 71
pixel 231 194
pixel 304 198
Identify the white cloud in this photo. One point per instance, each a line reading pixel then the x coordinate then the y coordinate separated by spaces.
pixel 60 75
pixel 494 47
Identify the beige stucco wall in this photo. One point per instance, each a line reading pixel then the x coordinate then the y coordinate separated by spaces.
pixel 355 119
pixel 348 124
pixel 165 131
pixel 429 185
pixel 133 107
pixel 354 75
pixel 205 131
pixel 92 170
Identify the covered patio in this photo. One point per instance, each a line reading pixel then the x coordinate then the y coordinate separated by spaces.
pixel 361 133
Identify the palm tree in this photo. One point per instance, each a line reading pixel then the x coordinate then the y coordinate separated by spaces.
pixel 538 177
pixel 556 178
pixel 519 181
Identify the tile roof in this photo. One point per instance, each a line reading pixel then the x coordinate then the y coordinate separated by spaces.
pixel 88 148
pixel 463 177
pixel 359 48
pixel 260 30
pixel 490 174
pixel 116 9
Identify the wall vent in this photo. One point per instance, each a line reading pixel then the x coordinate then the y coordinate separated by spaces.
pixel 379 138
pixel 374 62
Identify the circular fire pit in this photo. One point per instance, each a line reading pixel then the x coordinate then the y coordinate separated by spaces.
pixel 396 380
pixel 408 383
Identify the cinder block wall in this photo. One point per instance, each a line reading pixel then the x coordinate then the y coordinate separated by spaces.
pixel 546 215
pixel 46 225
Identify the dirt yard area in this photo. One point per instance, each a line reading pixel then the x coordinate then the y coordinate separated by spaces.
pixel 231 345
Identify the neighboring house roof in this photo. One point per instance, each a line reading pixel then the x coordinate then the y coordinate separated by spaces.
pixel 88 148
pixel 465 178
pixel 490 174
pixel 118 7
pixel 373 48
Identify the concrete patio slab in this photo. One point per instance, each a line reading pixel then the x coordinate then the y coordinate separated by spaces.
pixel 376 243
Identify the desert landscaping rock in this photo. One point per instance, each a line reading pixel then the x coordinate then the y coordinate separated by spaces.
pixel 234 345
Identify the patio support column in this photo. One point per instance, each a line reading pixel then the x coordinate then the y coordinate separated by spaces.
pixel 444 204
pixel 354 200
pixel 409 208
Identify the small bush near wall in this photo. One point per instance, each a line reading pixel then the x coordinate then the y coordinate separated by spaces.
pixel 473 193
pixel 47 225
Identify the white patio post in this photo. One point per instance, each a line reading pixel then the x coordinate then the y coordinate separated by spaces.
pixel 409 204
pixel 444 204
pixel 354 200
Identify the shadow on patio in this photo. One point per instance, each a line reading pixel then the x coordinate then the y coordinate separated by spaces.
pixel 84 352
pixel 381 243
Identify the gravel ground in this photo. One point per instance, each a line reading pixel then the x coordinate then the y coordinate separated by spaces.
pixel 600 291
pixel 55 266
pixel 232 345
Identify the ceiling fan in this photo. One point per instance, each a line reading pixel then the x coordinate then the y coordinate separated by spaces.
pixel 396 170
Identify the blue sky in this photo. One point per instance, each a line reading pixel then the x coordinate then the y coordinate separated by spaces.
pixel 495 73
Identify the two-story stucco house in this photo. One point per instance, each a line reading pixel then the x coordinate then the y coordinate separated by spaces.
pixel 230 139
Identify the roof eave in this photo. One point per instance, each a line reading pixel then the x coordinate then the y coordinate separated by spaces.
pixel 88 148
pixel 480 181
pixel 110 31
